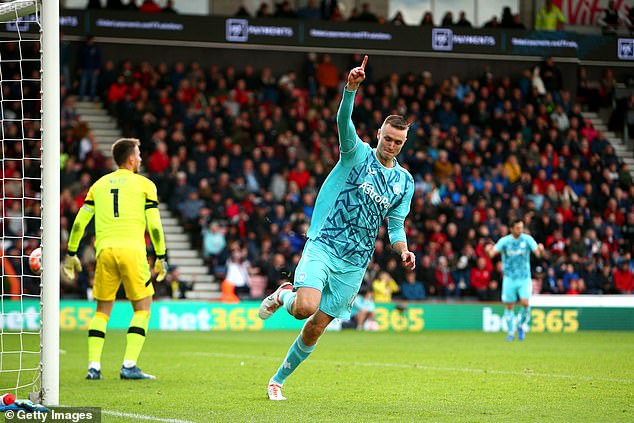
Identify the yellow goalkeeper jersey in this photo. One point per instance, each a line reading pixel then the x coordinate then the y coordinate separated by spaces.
pixel 119 200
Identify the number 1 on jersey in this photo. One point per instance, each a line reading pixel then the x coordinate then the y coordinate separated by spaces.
pixel 115 201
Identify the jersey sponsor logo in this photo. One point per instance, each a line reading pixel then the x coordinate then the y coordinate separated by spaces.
pixel 368 189
pixel 515 252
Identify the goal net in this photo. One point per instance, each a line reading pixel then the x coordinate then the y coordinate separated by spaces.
pixel 20 198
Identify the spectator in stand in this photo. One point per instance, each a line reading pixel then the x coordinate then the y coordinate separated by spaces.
pixel 493 23
pixel 149 6
pixel 89 62
pixel 383 287
pixel 480 278
pixel 444 279
pixel 242 12
pixel 462 20
pixel 549 18
pixel 327 74
pixel 412 289
pixel 447 20
pixel 517 22
pixel 507 18
pixel 612 19
pixel 284 10
pixel 427 20
pixel 310 11
pixel 623 278
pixel 398 19
pixel 263 11
pixel 362 315
pixel 169 7
pixel 366 15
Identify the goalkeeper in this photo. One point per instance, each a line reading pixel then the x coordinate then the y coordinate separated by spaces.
pixel 122 202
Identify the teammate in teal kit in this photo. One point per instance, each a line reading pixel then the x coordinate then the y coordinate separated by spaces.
pixel 365 187
pixel 516 249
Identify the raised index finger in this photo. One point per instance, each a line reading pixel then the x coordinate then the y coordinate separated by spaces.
pixel 365 60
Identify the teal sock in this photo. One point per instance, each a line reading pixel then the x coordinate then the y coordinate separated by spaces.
pixel 509 318
pixel 524 316
pixel 296 354
pixel 288 298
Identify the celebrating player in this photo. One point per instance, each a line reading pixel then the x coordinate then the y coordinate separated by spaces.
pixel 365 187
pixel 515 249
pixel 121 202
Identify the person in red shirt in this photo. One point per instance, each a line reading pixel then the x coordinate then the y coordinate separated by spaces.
pixel 159 161
pixel 300 175
pixel 149 6
pixel 624 279
pixel 480 277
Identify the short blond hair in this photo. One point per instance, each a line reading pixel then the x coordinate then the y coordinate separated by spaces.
pixel 396 121
pixel 123 148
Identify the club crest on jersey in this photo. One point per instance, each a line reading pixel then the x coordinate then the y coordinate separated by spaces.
pixel 368 189
pixel 522 244
pixel 300 277
pixel 397 189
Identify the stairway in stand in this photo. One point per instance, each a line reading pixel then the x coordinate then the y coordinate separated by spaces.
pixel 190 264
pixel 622 150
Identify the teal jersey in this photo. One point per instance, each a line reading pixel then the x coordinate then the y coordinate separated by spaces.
pixel 516 256
pixel 357 196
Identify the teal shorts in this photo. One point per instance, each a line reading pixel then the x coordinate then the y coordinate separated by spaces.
pixel 337 280
pixel 514 290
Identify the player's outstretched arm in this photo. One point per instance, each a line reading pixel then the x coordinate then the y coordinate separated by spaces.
pixel 347 132
pixel 71 264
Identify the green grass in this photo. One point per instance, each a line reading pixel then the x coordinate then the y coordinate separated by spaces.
pixel 364 377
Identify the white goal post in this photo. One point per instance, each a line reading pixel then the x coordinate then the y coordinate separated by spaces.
pixel 39 93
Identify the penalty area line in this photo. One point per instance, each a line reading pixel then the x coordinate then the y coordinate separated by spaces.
pixel 422 367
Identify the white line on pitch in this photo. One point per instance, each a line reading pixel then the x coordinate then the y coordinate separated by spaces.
pixel 421 367
pixel 143 417
pixel 134 415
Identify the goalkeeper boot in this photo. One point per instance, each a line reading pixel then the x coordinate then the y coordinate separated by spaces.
pixel 94 374
pixel 134 373
pixel 273 302
pixel 274 391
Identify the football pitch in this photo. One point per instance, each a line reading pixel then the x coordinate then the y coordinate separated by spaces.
pixel 360 377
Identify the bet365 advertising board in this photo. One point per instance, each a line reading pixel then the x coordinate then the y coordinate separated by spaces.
pixel 415 317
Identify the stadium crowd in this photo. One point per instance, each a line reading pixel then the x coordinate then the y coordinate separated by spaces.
pixel 239 155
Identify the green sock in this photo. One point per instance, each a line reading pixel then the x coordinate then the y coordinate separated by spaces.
pixel 136 337
pixel 96 338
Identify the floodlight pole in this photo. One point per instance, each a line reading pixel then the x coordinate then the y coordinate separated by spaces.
pixel 50 202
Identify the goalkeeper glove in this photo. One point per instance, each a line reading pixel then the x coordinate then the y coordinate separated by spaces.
pixel 71 265
pixel 160 267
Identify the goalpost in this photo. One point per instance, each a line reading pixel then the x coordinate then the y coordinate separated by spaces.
pixel 29 198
